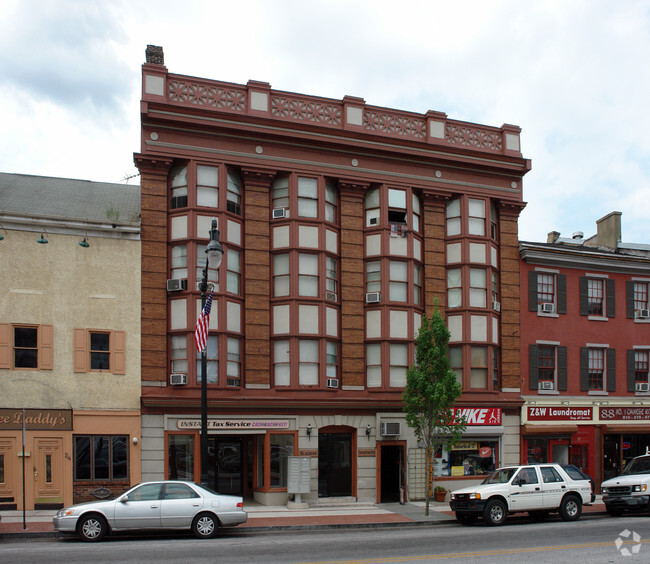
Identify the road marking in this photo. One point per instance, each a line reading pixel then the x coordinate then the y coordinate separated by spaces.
pixel 477 554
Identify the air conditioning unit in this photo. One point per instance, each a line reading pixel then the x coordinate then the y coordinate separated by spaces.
pixel 330 296
pixel 390 429
pixel 546 385
pixel 178 379
pixel 176 284
pixel 547 308
pixel 496 306
pixel 279 213
pixel 373 297
pixel 641 387
pixel 332 383
pixel 643 314
pixel 373 221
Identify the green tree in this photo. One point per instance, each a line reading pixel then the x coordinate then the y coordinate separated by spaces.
pixel 430 393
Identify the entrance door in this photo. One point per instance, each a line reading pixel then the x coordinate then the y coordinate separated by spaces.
pixel 48 473
pixel 8 486
pixel 391 472
pixel 226 463
pixel 559 451
pixel 334 464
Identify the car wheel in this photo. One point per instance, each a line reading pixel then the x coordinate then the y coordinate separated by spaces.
pixel 538 516
pixel 205 526
pixel 466 518
pixel 495 512
pixel 613 511
pixel 570 508
pixel 92 528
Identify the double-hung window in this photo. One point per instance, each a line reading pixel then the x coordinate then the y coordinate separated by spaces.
pixel 638 299
pixel 99 351
pixel 207 186
pixel 178 187
pixel 233 195
pixel 597 369
pixel 26 347
pixel 546 292
pixel 597 296
pixel 212 355
pixel 547 366
pixel 307 197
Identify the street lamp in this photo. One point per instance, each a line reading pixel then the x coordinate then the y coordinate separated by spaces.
pixel 214 254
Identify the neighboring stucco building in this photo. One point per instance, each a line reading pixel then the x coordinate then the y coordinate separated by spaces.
pixel 341 223
pixel 69 339
pixel 585 346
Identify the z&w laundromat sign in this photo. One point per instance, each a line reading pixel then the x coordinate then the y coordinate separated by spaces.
pixel 36 419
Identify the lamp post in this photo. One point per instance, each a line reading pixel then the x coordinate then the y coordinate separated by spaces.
pixel 214 254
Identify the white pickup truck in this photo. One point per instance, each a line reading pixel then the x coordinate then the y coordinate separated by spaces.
pixel 537 489
pixel 631 490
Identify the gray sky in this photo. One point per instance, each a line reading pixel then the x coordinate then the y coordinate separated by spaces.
pixel 573 74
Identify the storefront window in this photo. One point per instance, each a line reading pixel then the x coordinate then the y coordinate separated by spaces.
pixel 181 457
pixel 101 457
pixel 537 451
pixel 281 450
pixel 473 458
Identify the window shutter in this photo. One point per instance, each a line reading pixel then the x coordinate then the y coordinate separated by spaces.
pixel 629 299
pixel 80 350
pixel 584 369
pixel 45 339
pixel 533 367
pixel 631 373
pixel 118 352
pixel 532 291
pixel 561 369
pixel 5 346
pixel 561 293
pixel 611 370
pixel 584 295
pixel 611 298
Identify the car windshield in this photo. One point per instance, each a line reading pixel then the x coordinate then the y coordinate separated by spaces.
pixel 639 465
pixel 501 476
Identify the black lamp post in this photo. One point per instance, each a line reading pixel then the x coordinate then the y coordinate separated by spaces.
pixel 214 254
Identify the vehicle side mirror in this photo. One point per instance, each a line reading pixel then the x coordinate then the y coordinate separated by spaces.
pixel 123 499
pixel 516 482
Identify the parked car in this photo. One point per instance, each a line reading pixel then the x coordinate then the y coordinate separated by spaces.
pixel 164 505
pixel 537 489
pixel 578 474
pixel 631 490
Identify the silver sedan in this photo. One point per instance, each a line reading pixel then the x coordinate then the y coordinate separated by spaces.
pixel 160 505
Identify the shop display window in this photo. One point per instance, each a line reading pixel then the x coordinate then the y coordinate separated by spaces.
pixel 181 457
pixel 537 451
pixel 466 458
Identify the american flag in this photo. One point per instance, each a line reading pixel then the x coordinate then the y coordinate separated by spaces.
pixel 201 331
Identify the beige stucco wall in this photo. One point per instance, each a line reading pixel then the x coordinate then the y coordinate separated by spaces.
pixel 70 287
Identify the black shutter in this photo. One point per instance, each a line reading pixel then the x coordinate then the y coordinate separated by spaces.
pixel 532 291
pixel 561 293
pixel 611 370
pixel 629 299
pixel 631 372
pixel 584 369
pixel 584 295
pixel 611 298
pixel 533 368
pixel 561 369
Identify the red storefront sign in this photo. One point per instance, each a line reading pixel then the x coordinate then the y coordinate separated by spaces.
pixel 560 413
pixel 479 415
pixel 624 413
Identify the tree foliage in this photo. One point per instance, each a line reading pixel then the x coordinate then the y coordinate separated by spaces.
pixel 430 393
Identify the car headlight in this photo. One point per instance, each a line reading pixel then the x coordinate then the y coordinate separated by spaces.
pixel 475 495
pixel 452 496
pixel 65 512
pixel 603 490
pixel 640 488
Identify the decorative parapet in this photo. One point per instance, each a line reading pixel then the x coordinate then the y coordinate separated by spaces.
pixel 258 99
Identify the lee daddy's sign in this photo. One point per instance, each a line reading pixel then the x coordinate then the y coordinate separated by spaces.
pixel 234 424
pixel 559 413
pixel 36 419
pixel 479 415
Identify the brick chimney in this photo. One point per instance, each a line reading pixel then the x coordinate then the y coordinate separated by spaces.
pixel 609 230
pixel 155 55
pixel 552 236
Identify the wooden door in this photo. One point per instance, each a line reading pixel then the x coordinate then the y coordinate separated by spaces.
pixel 48 473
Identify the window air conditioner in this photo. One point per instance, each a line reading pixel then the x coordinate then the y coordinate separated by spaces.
pixel 332 383
pixel 373 297
pixel 642 387
pixel 547 308
pixel 279 213
pixel 390 429
pixel 176 284
pixel 178 379
pixel 496 306
pixel 643 314
pixel 330 296
pixel 546 385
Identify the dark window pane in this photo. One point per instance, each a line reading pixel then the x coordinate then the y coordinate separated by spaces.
pixel 99 341
pixel 119 452
pixel 26 337
pixel 82 458
pixel 101 451
pixel 99 361
pixel 25 358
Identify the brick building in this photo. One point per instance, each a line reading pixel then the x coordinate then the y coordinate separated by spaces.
pixel 341 223
pixel 585 343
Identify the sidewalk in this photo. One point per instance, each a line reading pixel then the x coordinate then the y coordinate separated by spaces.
pixel 266 518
